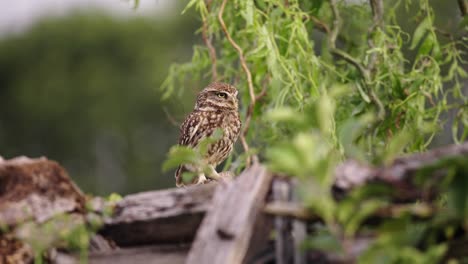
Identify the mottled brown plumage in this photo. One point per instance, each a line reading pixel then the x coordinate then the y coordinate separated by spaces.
pixel 216 107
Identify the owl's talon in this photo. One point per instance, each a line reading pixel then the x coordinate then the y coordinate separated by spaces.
pixel 201 179
pixel 214 175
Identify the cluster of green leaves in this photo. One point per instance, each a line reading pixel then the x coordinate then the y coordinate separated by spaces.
pixel 193 157
pixel 72 232
pixel 285 53
pixel 341 86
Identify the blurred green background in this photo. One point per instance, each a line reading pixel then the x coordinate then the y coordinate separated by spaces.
pixel 83 89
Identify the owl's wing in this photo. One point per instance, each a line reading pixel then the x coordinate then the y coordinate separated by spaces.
pixel 192 129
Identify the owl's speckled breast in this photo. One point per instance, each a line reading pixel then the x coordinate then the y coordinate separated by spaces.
pixel 230 124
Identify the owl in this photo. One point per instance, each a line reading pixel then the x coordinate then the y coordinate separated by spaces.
pixel 216 108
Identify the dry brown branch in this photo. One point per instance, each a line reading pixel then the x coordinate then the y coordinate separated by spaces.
pixel 170 118
pixel 336 24
pixel 335 30
pixel 249 82
pixel 377 11
pixel 211 49
pixel 463 5
pixel 288 209
pixel 320 24
pixel 377 16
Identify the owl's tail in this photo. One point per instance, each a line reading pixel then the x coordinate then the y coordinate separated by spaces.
pixel 178 176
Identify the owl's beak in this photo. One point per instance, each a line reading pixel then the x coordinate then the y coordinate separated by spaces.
pixel 234 100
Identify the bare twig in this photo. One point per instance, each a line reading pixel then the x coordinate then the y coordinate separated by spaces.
pixel 249 82
pixel 377 12
pixel 332 43
pixel 340 53
pixel 337 22
pixel 378 22
pixel 377 16
pixel 463 5
pixel 288 209
pixel 207 40
pixel 171 119
pixel 264 88
pixel 320 24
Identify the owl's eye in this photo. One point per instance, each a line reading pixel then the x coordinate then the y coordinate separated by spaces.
pixel 222 95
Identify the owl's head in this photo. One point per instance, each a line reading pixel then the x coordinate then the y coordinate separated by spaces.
pixel 217 96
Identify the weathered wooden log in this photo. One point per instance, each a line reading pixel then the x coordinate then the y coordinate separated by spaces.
pixel 353 173
pixel 228 227
pixel 169 216
pixel 36 189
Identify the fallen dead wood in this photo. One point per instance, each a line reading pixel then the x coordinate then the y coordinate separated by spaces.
pixel 238 220
pixel 36 189
pixel 32 190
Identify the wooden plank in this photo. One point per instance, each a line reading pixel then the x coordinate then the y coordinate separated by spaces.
pixel 138 255
pixel 283 239
pixel 168 216
pixel 299 234
pixel 228 227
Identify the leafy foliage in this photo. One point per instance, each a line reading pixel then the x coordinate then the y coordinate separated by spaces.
pixel 342 80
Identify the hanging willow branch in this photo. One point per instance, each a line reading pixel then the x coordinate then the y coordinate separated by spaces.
pixel 336 27
pixel 253 97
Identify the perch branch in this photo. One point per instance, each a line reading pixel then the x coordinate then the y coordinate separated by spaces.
pixel 249 82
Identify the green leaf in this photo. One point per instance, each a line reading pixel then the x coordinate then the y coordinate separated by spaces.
pixel 324 241
pixel 363 94
pixel 188 176
pixel 420 31
pixel 283 114
pixel 427 45
pixel 180 155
